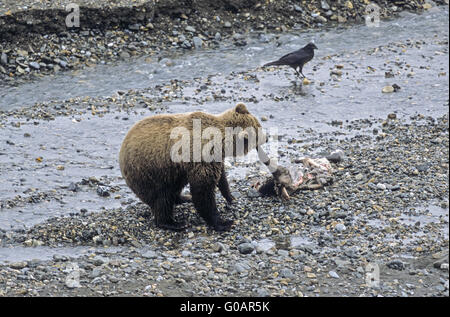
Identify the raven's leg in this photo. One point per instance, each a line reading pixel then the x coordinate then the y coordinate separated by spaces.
pixel 301 71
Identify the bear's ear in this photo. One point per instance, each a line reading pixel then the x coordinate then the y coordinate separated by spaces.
pixel 241 108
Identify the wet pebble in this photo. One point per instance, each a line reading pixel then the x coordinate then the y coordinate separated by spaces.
pixel 246 248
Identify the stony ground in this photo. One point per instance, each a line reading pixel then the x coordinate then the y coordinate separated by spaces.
pixel 387 206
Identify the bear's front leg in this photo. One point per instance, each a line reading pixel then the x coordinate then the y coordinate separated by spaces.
pixel 203 196
pixel 224 187
pixel 204 201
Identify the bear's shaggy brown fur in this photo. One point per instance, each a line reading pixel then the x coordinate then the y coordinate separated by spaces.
pixel 147 166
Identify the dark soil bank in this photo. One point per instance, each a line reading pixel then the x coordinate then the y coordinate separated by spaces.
pixel 34 38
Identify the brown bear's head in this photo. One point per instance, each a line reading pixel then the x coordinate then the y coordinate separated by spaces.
pixel 247 131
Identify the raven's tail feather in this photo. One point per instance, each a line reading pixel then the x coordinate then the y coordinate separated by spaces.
pixel 273 63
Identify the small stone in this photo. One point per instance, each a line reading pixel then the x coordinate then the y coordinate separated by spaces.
pixel 381 186
pixel 306 81
pixel 73 279
pixel 240 267
pixel 307 268
pixel 63 64
pixel 60 258
pixel 4 59
pixel 396 87
pixel 264 118
pixel 298 8
pixel 220 270
pixel 218 247
pixel 97 240
pixel 189 29
pixel 262 292
pixel 253 193
pixel 22 53
pixel 264 245
pixel 246 248
pixel 440 288
pixel 134 27
pixel 423 167
pixel 336 72
pixel 186 44
pixel 396 265
pixel 33 243
pixel 73 187
pixel 103 191
pixel 392 116
pixel 340 227
pixel 186 253
pixel 149 254
pixel 336 156
pixel 286 273
pixel 333 274
pixel 283 253
pixel 18 265
pixel 124 54
pixel 341 19
pixel 325 5
pixel 198 42
pixel 320 19
pixel 96 272
pixel 35 65
pixel 227 24
pixel 444 266
pixel 387 89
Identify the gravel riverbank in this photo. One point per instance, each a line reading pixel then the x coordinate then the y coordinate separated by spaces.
pixel 387 206
pixel 35 41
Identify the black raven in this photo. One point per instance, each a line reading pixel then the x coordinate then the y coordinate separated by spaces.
pixel 297 59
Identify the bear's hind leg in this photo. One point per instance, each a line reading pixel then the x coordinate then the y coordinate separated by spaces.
pixel 162 207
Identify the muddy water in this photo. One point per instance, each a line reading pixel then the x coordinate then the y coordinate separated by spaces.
pixel 414 48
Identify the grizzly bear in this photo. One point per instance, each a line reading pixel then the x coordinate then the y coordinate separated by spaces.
pixel 153 168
